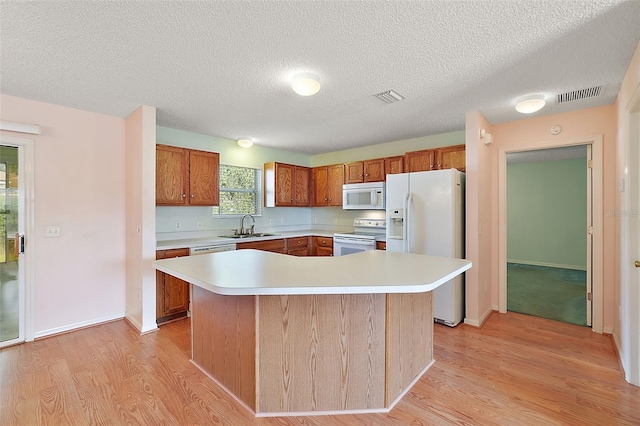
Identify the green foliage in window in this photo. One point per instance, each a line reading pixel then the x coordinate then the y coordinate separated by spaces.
pixel 239 191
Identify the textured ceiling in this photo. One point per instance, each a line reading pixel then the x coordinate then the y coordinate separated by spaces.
pixel 224 68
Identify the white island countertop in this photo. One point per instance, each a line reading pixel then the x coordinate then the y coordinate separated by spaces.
pixel 254 272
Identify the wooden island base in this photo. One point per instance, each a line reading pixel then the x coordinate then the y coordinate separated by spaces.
pixel 313 354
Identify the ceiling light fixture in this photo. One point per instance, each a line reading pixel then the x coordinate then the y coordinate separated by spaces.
pixel 306 84
pixel 245 143
pixel 531 104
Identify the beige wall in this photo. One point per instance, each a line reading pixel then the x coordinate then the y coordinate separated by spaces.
pixel 389 149
pixel 79 181
pixel 624 330
pixel 482 178
pixel 479 234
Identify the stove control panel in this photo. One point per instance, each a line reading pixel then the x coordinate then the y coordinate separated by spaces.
pixel 370 223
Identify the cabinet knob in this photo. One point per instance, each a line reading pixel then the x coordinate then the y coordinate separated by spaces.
pixel 439 166
pixel 184 195
pixel 193 195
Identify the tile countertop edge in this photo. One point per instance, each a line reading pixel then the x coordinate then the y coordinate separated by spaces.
pixel 206 241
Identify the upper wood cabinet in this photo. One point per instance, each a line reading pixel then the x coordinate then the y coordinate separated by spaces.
pixel 452 157
pixel 286 185
pixel 393 165
pixel 326 183
pixel 420 161
pixel 365 171
pixel 186 177
pixel 436 159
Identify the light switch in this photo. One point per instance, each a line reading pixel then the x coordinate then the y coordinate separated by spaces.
pixel 52 231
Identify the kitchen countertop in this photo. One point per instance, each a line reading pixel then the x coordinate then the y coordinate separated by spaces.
pixel 254 272
pixel 206 241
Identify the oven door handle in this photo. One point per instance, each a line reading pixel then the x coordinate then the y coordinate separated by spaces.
pixel 354 241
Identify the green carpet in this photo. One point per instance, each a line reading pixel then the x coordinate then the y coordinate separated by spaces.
pixel 552 293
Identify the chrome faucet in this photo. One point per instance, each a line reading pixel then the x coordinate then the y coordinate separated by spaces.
pixel 242 230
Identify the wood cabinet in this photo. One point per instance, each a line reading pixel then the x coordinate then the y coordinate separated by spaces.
pixel 276 246
pixel 436 159
pixel 186 177
pixel 420 161
pixel 321 246
pixel 452 157
pixel 286 185
pixel 393 165
pixel 365 171
pixel 298 246
pixel 326 183
pixel 381 245
pixel 172 294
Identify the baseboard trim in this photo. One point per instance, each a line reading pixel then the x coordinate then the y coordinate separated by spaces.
pixel 478 323
pixel 76 326
pixel 548 265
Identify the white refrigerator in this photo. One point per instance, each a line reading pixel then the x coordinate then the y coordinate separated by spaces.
pixel 425 214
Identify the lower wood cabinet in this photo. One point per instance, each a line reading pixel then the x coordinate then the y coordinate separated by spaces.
pixel 381 245
pixel 298 246
pixel 276 246
pixel 172 294
pixel 321 246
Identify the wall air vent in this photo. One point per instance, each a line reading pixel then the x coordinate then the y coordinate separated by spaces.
pixel 390 96
pixel 578 95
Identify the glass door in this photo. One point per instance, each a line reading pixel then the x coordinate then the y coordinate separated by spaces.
pixel 11 289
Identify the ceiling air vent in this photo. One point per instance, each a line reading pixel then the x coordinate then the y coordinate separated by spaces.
pixel 390 96
pixel 578 95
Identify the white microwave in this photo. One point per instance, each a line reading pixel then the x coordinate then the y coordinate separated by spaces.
pixel 363 196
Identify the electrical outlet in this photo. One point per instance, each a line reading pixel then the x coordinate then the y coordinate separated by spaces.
pixel 177 225
pixel 282 221
pixel 315 219
pixel 335 220
pixel 52 231
pixel 199 225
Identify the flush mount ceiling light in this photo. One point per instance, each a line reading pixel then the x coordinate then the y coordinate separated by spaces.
pixel 530 104
pixel 306 84
pixel 245 143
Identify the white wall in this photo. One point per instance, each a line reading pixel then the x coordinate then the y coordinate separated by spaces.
pixel 79 186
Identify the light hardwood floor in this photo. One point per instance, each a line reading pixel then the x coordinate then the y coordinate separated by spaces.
pixel 515 370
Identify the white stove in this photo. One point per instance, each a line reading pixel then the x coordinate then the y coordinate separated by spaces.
pixel 366 233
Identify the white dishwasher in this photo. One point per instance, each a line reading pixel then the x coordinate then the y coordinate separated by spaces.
pixel 194 251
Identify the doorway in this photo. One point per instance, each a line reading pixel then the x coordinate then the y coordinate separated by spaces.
pixel 548 258
pixel 594 250
pixel 16 217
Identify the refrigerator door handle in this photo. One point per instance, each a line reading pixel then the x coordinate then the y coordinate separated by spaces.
pixel 404 222
pixel 409 215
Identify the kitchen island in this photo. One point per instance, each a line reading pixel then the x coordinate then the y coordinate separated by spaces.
pixel 313 335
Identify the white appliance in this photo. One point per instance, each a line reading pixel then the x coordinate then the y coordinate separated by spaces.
pixel 425 214
pixel 363 196
pixel 193 251
pixel 366 233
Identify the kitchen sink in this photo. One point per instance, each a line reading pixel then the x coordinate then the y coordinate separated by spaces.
pixel 256 235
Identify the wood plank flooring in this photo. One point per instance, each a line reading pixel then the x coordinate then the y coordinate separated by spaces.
pixel 515 370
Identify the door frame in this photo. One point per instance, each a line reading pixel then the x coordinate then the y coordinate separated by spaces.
pixel 629 299
pixel 26 160
pixel 597 216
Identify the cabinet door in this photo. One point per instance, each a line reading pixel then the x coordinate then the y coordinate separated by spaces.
pixel 393 165
pixel 420 161
pixel 172 168
pixel 172 294
pixel 319 183
pixel 334 186
pixel 204 174
pixel 374 170
pixel 284 181
pixel 354 172
pixel 324 251
pixel 452 157
pixel 302 186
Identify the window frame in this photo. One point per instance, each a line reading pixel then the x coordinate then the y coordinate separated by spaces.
pixel 257 190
